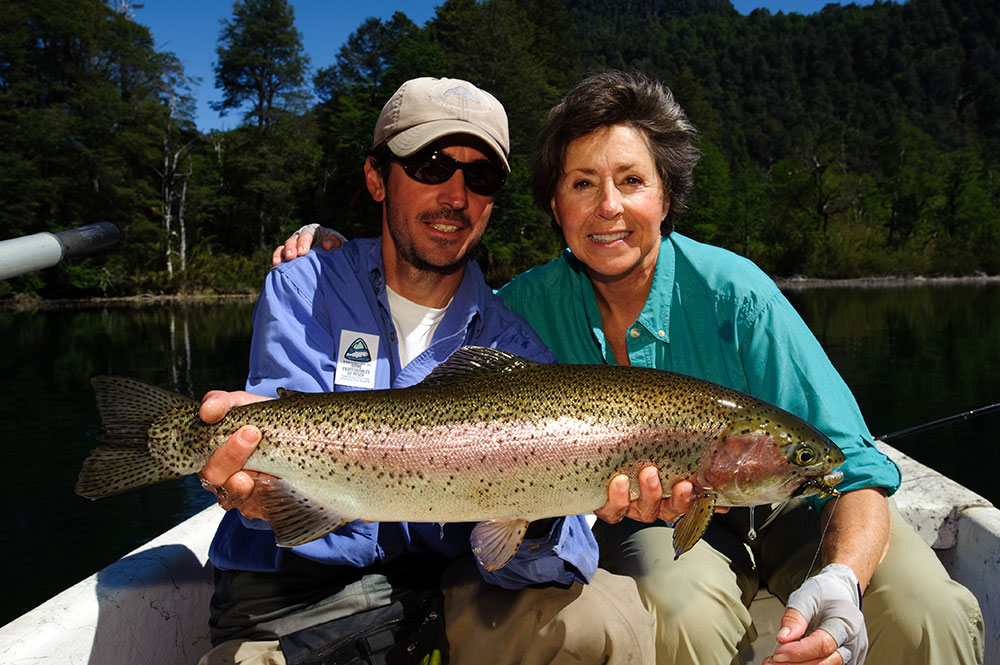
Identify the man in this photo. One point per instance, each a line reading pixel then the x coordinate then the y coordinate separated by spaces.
pixel 382 313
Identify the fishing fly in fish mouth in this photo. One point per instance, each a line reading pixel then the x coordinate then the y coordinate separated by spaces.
pixel 488 437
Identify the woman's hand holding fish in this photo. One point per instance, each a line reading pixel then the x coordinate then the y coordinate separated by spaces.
pixel 651 504
pixel 223 474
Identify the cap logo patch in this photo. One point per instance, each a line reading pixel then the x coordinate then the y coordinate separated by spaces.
pixel 461 92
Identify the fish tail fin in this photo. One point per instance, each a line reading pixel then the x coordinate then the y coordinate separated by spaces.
pixel 127 408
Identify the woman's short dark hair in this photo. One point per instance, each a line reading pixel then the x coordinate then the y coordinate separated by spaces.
pixel 611 98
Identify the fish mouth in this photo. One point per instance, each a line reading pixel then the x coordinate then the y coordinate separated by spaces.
pixel 609 237
pixel 822 486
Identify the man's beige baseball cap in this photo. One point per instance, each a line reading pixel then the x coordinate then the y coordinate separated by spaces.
pixel 426 109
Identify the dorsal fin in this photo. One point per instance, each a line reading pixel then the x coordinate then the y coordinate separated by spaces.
pixel 472 361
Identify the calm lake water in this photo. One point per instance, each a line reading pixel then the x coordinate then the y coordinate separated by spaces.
pixel 911 354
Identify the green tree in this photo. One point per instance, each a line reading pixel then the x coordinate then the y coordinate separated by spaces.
pixel 850 141
pixel 710 208
pixel 262 63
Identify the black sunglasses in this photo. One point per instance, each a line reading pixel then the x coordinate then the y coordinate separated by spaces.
pixel 432 167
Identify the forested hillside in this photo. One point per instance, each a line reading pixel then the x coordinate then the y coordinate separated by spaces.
pixel 856 141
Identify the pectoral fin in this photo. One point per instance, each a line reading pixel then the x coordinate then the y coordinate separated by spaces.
pixel 495 542
pixel 295 519
pixel 692 526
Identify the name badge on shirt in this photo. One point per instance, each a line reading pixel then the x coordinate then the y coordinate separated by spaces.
pixel 356 359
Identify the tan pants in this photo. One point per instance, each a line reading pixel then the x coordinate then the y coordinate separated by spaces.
pixel 600 622
pixel 915 614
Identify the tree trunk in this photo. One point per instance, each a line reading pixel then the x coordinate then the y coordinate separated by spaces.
pixel 180 221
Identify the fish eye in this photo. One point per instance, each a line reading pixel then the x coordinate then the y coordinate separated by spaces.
pixel 804 455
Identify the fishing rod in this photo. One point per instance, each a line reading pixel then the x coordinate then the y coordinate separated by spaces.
pixel 44 250
pixel 965 415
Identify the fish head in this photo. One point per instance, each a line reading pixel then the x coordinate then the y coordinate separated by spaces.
pixel 767 455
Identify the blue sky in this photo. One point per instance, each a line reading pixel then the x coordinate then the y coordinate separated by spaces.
pixel 190 29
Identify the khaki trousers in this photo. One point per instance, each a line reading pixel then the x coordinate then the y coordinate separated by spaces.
pixel 600 622
pixel 915 614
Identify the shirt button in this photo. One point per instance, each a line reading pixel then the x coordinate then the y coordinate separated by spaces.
pixel 634 332
pixel 661 333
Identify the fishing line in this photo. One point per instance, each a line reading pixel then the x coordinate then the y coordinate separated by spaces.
pixel 822 535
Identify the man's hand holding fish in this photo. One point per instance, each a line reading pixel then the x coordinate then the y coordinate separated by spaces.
pixel 223 474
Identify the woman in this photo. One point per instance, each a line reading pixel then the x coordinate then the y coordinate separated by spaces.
pixel 613 167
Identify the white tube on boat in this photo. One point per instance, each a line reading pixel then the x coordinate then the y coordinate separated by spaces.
pixel 44 250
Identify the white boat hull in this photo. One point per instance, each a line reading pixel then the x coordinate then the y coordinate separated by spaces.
pixel 150 606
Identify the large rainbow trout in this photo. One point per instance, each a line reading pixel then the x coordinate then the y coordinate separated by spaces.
pixel 487 437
